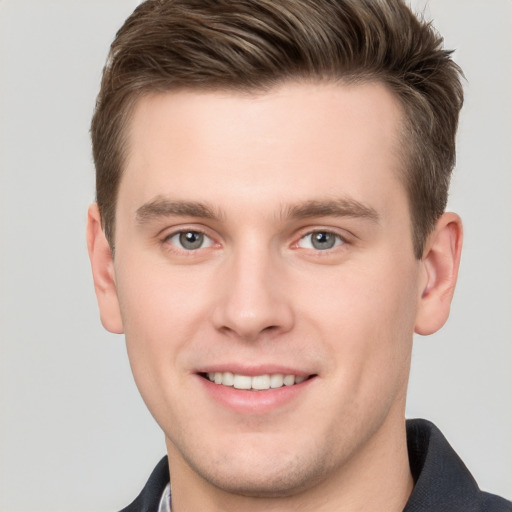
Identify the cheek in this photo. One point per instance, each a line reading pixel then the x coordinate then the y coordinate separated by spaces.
pixel 366 317
pixel 161 311
pixel 157 297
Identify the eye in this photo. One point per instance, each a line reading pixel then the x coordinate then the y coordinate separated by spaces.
pixel 320 240
pixel 189 240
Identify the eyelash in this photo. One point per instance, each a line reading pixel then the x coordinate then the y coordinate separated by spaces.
pixel 169 245
pixel 339 240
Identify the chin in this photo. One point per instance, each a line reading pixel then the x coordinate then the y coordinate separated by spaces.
pixel 254 474
pixel 278 482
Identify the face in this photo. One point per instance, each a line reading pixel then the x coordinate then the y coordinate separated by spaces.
pixel 266 279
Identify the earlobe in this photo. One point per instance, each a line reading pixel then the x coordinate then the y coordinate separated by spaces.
pixel 102 265
pixel 440 269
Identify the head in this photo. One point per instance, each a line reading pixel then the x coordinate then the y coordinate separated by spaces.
pixel 273 177
pixel 254 46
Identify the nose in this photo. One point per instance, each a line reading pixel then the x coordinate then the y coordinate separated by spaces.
pixel 252 299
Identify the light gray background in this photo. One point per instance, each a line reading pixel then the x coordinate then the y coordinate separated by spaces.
pixel 74 434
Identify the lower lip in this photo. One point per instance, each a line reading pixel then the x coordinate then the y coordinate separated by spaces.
pixel 254 402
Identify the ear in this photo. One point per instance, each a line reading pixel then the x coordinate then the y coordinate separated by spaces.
pixel 440 264
pixel 102 265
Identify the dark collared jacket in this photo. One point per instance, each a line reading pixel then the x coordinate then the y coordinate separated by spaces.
pixel 442 481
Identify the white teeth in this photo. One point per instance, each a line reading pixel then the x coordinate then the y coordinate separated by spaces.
pixel 261 382
pixel 289 380
pixel 242 382
pixel 228 379
pixel 258 382
pixel 276 381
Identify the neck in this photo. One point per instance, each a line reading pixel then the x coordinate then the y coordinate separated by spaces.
pixel 377 477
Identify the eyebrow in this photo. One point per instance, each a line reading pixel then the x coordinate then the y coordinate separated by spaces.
pixel 161 207
pixel 341 207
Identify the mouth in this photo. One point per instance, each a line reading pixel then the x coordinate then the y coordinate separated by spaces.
pixel 254 382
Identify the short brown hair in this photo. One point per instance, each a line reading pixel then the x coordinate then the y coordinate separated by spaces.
pixel 256 44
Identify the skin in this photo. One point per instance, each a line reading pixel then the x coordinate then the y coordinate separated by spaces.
pixel 257 175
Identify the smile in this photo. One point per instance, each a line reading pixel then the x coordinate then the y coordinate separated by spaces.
pixel 256 382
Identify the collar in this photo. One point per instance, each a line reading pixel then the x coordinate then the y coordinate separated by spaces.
pixel 165 500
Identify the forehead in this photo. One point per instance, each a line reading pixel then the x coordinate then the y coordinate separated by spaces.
pixel 297 141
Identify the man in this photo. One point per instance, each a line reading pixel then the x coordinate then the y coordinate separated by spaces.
pixel 269 233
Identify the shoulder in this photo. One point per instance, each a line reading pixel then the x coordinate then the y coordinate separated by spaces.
pixel 492 503
pixel 442 481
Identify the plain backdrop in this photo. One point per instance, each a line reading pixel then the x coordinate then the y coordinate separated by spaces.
pixel 74 434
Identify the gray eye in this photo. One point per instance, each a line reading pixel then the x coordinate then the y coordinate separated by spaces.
pixel 191 240
pixel 320 240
